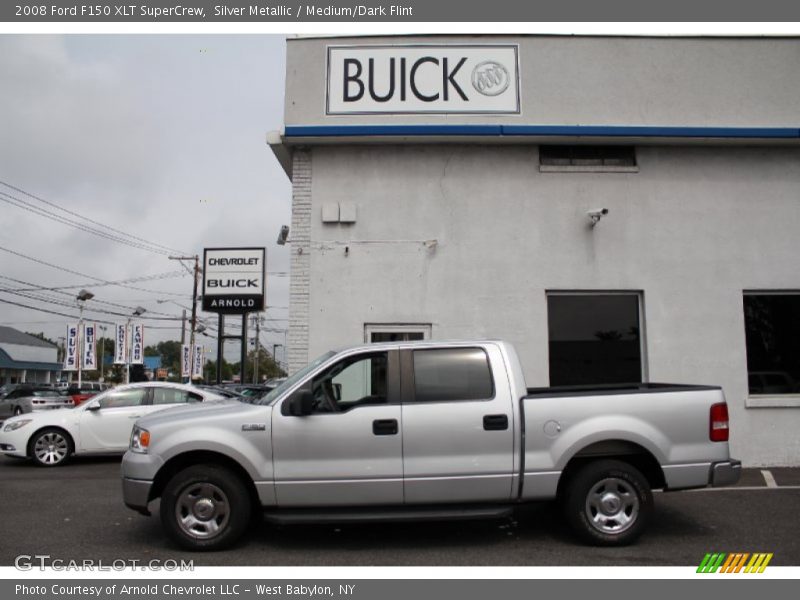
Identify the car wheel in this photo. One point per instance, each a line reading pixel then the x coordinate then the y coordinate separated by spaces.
pixel 51 447
pixel 205 507
pixel 608 503
pixel 17 411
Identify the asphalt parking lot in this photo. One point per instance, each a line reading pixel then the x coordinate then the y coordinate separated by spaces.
pixel 76 512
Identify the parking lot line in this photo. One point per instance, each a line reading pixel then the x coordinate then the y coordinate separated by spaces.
pixel 747 488
pixel 768 478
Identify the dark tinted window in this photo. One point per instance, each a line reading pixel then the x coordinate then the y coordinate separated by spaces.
pixel 594 339
pixel 452 374
pixel 396 336
pixel 772 332
pixel 607 156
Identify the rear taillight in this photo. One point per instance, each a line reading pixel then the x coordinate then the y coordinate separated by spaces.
pixel 718 423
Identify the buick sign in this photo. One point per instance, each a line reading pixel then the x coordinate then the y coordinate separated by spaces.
pixel 434 79
pixel 233 280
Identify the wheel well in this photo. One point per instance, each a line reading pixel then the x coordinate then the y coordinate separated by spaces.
pixel 635 455
pixel 29 449
pixel 197 457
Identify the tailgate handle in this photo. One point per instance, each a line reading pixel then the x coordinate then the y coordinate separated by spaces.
pixel 384 427
pixel 495 422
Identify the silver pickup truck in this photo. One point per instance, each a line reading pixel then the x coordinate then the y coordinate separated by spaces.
pixel 425 430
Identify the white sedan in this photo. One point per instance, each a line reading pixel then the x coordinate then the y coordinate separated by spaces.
pixel 102 425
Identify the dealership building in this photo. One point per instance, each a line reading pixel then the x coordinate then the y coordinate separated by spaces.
pixel 619 208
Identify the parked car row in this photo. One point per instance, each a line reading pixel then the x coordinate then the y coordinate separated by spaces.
pixel 101 425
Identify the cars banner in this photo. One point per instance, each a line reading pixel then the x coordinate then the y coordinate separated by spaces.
pixel 71 350
pixel 197 363
pixel 137 345
pixel 186 361
pixel 90 346
pixel 121 344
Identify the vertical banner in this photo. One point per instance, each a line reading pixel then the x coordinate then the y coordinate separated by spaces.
pixel 186 361
pixel 90 346
pixel 197 363
pixel 137 345
pixel 71 348
pixel 121 344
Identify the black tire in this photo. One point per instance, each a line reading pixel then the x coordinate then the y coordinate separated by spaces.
pixel 17 411
pixel 51 447
pixel 205 507
pixel 608 503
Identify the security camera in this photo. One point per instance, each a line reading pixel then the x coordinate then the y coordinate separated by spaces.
pixel 283 236
pixel 596 214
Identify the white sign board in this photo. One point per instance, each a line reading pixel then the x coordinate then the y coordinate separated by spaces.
pixel 197 363
pixel 121 344
pixel 137 345
pixel 233 280
pixel 89 346
pixel 186 360
pixel 71 349
pixel 425 78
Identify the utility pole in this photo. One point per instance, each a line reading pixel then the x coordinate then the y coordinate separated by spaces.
pixel 195 273
pixel 257 358
pixel 183 327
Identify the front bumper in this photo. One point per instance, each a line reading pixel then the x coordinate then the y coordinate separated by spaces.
pixel 136 493
pixel 725 473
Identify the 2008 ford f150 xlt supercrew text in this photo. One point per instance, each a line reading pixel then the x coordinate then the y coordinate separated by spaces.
pixel 426 430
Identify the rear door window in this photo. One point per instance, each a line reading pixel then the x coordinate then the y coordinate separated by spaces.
pixel 448 374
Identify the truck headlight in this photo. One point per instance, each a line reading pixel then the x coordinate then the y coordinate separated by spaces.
pixel 140 440
pixel 14 425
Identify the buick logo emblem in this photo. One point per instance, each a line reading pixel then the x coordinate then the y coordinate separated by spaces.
pixel 490 78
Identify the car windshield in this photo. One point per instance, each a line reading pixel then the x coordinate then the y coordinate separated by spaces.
pixel 45 393
pixel 290 381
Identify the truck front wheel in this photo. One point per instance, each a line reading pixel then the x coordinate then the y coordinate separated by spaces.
pixel 608 503
pixel 205 507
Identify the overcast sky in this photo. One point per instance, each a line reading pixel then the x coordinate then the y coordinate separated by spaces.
pixel 162 137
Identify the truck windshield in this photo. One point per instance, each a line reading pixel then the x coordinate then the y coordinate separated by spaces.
pixel 294 379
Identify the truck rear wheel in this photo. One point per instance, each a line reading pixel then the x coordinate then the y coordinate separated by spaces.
pixel 205 507
pixel 608 503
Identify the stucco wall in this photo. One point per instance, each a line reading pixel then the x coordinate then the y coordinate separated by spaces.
pixel 691 230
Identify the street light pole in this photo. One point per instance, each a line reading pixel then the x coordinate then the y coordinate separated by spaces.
pixel 138 312
pixel 102 350
pixel 82 297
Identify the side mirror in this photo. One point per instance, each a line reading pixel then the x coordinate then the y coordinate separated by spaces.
pixel 302 403
pixel 93 407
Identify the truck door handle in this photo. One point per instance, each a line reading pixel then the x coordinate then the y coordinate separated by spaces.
pixel 384 427
pixel 495 422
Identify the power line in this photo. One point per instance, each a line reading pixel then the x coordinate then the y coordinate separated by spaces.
pixel 121 237
pixel 38 288
pixel 104 281
pixel 87 309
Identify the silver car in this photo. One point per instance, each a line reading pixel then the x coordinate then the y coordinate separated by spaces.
pixel 34 400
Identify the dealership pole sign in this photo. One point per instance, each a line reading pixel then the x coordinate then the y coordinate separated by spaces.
pixel 89 346
pixel 137 344
pixel 233 280
pixel 423 78
pixel 71 350
pixel 121 344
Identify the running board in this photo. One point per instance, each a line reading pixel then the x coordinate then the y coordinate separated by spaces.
pixel 386 515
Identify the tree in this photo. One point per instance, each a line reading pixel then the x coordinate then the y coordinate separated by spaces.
pixel 210 371
pixel 267 367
